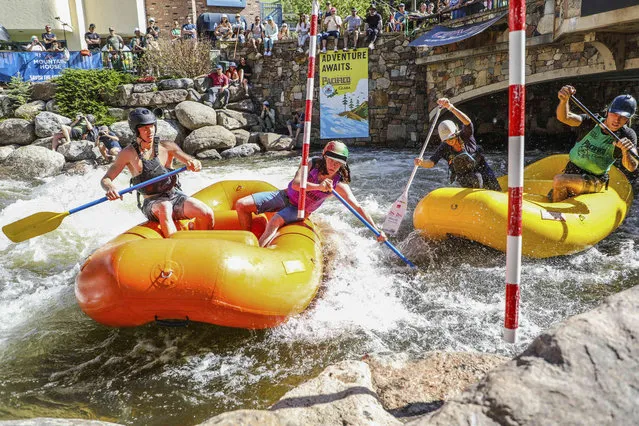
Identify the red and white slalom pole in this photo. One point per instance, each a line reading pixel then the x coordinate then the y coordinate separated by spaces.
pixel 516 122
pixel 308 110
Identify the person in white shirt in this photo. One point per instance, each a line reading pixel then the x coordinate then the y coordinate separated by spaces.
pixel 35 45
pixel 270 35
pixel 302 29
pixel 353 23
pixel 332 26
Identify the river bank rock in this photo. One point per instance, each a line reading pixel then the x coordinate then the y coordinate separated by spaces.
pixel 16 131
pixel 77 150
pixel 48 123
pixel 276 142
pixel 584 370
pixel 29 110
pixel 165 131
pixel 6 150
pixel 43 91
pixel 233 120
pixel 209 137
pixel 245 150
pixel 34 162
pixel 194 115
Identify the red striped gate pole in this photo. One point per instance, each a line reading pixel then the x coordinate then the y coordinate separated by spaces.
pixel 516 114
pixel 308 110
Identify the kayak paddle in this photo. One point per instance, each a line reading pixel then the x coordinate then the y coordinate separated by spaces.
pixel 43 222
pixel 601 122
pixel 398 209
pixel 375 231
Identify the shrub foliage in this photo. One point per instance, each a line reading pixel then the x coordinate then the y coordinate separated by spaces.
pixel 19 91
pixel 86 91
pixel 177 59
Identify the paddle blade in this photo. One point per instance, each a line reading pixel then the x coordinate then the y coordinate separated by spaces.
pixel 34 225
pixel 395 215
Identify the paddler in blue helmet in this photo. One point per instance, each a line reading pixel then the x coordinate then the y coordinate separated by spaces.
pixel 593 154
pixel 326 173
pixel 149 157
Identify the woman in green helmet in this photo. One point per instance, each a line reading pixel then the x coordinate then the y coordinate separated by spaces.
pixel 327 173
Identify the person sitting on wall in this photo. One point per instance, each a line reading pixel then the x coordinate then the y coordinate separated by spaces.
pixel 256 33
pixel 224 31
pixel 353 23
pixel 270 35
pixel 398 19
pixel 373 26
pixel 295 122
pixel 239 28
pixel 245 72
pixel 332 25
pixel 284 34
pixel 219 88
pixel 233 75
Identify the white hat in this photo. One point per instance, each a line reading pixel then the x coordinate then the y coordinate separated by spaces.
pixel 136 30
pixel 447 130
pixel 224 15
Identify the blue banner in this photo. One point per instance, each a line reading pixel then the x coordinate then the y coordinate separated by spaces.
pixel 440 36
pixel 41 66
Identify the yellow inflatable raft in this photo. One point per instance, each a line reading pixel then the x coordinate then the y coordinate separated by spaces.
pixel 220 277
pixel 548 229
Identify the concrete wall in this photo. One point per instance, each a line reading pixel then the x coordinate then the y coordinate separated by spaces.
pixel 123 15
pixel 24 18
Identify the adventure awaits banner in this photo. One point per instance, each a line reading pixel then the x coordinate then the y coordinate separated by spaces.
pixel 41 66
pixel 344 94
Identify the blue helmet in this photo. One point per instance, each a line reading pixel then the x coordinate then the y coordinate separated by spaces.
pixel 624 105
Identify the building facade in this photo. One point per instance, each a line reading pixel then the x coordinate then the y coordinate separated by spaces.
pixel 166 11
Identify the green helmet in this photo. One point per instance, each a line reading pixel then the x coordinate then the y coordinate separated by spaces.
pixel 337 151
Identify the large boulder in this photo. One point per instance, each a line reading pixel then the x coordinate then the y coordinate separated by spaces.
pixel 43 91
pixel 48 123
pixel 34 162
pixel 245 105
pixel 209 154
pixel 194 115
pixel 5 151
pixel 144 88
pixel 209 137
pixel 582 371
pixel 29 110
pixel 242 151
pixel 153 99
pixel 81 167
pixel 182 132
pixel 118 113
pixel 236 120
pixel 178 83
pixel 16 131
pixel 52 106
pixel 165 131
pixel 77 150
pixel 45 142
pixel 236 93
pixel 241 136
pixel 276 142
pixel 5 106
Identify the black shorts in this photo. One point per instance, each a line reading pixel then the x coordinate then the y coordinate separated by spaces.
pixel 175 197
pixel 592 183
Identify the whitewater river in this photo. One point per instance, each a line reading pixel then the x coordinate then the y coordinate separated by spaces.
pixel 57 362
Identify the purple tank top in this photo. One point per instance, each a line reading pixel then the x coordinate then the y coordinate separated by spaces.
pixel 314 199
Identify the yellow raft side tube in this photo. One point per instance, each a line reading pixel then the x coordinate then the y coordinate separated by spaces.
pixel 548 229
pixel 221 277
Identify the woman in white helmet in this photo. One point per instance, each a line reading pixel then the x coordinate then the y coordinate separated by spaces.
pixel 459 148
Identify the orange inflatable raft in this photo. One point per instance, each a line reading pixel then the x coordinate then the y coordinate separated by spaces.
pixel 220 277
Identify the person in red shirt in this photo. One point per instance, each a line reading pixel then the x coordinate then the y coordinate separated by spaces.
pixel 219 88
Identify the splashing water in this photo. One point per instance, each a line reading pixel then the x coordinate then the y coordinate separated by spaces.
pixel 55 361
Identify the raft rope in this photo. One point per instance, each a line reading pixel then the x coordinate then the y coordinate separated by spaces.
pixel 308 111
pixel 516 123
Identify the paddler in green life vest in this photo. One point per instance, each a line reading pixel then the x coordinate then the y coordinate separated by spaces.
pixel 592 156
pixel 149 157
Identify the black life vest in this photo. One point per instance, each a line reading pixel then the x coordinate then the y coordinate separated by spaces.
pixel 153 168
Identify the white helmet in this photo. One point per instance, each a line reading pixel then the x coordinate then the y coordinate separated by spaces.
pixel 447 130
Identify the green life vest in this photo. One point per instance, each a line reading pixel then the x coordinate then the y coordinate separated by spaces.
pixel 594 153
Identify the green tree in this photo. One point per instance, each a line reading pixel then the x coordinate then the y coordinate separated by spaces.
pixel 19 91
pixel 345 102
pixel 350 103
pixel 343 7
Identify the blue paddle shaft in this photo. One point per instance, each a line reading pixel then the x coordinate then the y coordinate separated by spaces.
pixel 129 189
pixel 375 231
